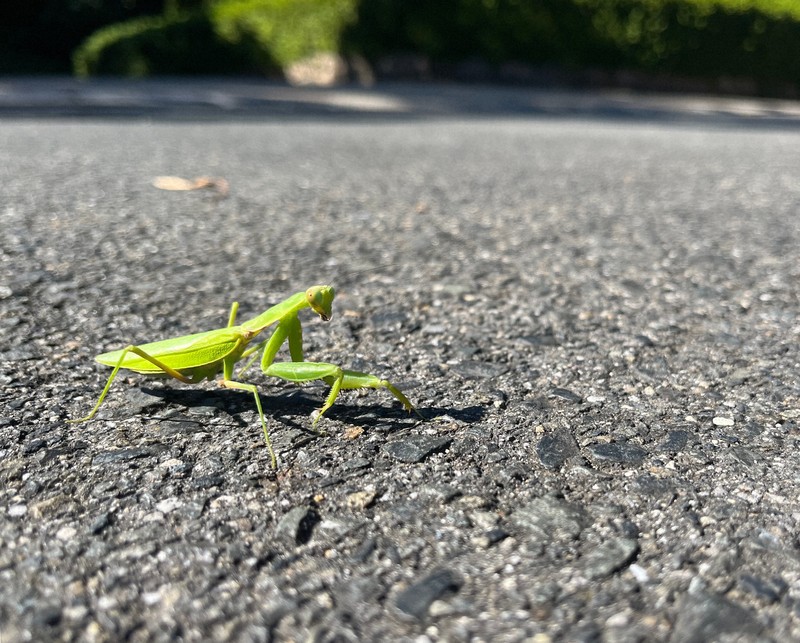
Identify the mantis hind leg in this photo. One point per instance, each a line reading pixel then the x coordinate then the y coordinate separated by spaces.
pixel 241 386
pixel 337 377
pixel 138 351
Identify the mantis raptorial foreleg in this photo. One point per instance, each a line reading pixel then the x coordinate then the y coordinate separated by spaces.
pixel 287 329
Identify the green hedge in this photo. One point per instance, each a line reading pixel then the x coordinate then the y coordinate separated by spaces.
pixel 39 36
pixel 224 36
pixel 495 30
pixel 180 43
pixel 757 39
pixel 287 29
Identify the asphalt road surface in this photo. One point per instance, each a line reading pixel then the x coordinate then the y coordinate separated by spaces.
pixel 591 298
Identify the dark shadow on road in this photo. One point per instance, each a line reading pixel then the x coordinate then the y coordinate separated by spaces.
pixel 292 404
pixel 255 100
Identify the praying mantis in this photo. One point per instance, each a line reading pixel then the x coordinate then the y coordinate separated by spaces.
pixel 193 358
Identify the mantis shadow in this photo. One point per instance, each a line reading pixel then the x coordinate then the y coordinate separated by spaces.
pixel 286 405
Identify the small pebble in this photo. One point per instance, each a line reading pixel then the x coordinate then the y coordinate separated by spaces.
pixel 66 533
pixel 173 465
pixel 153 516
pixel 296 526
pixel 551 518
pixel 416 448
pixel 620 452
pixel 555 448
pixel 565 394
pixel 417 599
pixel 609 557
pixel 151 598
pixel 168 505
pixel 639 573
pixel 360 499
pixel 15 511
pixel 75 613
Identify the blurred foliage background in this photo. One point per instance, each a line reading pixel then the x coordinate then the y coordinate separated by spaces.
pixel 755 41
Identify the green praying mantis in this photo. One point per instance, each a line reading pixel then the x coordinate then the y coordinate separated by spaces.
pixel 193 358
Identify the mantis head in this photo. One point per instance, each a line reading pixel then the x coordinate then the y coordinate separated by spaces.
pixel 320 298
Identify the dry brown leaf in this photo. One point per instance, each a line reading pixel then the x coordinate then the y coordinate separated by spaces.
pixel 220 185
pixel 177 183
pixel 172 183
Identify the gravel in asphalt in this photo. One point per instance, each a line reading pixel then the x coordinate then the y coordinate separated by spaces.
pixel 596 313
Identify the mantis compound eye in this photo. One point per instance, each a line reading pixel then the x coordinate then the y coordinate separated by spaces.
pixel 320 298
